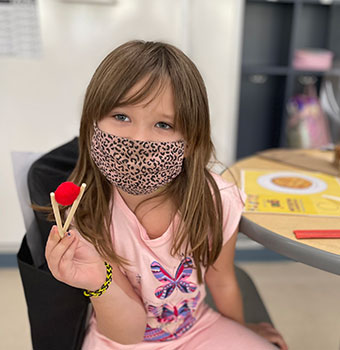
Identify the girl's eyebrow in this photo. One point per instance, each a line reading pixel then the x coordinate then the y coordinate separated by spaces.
pixel 167 116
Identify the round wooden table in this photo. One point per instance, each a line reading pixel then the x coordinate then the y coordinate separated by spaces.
pixel 275 231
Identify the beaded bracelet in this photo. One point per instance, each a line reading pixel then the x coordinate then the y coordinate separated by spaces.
pixel 104 287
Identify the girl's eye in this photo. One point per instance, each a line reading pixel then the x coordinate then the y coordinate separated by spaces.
pixel 121 117
pixel 163 125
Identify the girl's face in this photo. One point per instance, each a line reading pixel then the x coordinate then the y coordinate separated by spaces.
pixel 144 121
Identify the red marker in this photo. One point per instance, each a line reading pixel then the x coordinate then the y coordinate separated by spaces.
pixel 303 234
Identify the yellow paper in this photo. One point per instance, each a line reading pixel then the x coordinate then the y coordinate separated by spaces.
pixel 290 192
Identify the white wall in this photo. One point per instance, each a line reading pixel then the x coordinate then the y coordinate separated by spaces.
pixel 40 99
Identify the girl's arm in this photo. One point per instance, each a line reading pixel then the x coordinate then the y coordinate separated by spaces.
pixel 223 285
pixel 120 313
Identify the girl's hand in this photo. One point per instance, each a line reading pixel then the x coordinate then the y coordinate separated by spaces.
pixel 74 261
pixel 266 330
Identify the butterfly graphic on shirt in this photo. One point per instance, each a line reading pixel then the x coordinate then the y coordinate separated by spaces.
pixel 183 272
pixel 166 315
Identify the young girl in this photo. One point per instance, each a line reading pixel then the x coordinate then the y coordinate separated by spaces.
pixel 154 224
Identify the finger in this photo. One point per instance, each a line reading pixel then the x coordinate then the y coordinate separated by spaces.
pixel 57 253
pixel 269 328
pixel 280 343
pixel 266 325
pixel 52 241
pixel 66 264
pixel 278 339
pixel 70 251
pixel 268 331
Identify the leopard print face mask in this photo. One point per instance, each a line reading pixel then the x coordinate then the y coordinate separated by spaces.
pixel 137 167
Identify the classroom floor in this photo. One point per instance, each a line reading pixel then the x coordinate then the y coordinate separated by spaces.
pixel 304 304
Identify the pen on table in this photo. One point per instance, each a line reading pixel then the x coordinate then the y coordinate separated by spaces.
pixel 334 198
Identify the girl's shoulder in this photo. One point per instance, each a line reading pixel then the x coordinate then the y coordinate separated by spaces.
pixel 229 190
pixel 221 182
pixel 233 201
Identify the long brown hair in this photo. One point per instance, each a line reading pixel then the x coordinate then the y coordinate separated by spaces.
pixel 194 192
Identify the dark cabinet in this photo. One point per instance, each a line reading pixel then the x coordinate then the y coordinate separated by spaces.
pixel 272 31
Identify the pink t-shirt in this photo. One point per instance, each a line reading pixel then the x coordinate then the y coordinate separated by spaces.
pixel 167 285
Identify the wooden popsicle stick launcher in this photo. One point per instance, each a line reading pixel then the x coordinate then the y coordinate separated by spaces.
pixel 63 229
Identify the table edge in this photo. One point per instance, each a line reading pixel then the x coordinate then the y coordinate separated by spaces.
pixel 308 255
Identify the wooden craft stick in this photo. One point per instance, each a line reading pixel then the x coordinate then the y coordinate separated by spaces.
pixel 56 212
pixel 74 208
pixel 334 198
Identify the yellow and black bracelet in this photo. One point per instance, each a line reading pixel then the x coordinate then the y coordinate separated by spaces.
pixel 104 287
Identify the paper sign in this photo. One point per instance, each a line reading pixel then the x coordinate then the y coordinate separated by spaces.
pixel 290 192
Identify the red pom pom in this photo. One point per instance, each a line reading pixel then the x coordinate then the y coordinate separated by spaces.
pixel 66 193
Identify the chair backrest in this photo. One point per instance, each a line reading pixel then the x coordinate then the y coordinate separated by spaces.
pixel 21 162
pixel 54 308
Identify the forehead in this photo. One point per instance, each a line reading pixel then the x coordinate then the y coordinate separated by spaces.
pixel 146 92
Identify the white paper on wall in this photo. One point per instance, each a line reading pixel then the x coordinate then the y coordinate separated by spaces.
pixel 19 29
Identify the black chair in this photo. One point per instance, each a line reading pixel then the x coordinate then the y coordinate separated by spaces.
pixel 57 312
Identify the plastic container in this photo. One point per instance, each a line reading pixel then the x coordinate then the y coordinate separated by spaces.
pixel 313 59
